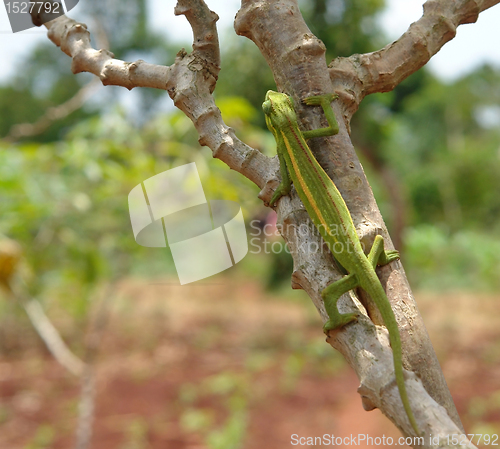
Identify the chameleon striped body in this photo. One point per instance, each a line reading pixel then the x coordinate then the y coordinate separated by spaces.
pixel 329 213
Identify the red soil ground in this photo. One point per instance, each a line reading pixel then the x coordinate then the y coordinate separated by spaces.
pixel 179 371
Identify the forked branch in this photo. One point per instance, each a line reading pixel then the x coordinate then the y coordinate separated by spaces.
pixel 190 82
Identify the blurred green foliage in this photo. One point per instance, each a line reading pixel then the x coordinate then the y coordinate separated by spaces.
pixel 443 146
pixel 66 202
pixel 229 389
pixel 136 434
pixel 43 438
pixel 345 26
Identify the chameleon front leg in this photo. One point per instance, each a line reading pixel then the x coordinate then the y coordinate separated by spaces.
pixel 325 102
pixel 330 296
pixel 378 256
pixel 286 183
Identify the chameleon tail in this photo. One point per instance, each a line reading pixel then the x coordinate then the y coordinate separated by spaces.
pixel 400 381
pixel 377 293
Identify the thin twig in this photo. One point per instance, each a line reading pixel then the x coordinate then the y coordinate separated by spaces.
pixel 50 335
pixel 52 114
pixel 86 407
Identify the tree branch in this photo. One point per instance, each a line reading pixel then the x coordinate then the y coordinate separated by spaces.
pixel 356 76
pixel 296 58
pixel 190 86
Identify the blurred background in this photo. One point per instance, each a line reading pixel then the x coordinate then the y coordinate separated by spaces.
pixel 100 346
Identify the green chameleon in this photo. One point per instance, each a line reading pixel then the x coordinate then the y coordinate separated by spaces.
pixel 329 213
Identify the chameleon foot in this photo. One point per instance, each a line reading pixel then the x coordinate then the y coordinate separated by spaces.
pixel 320 99
pixel 391 256
pixel 340 320
pixel 377 254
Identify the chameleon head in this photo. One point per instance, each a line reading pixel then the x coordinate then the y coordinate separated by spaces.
pixel 279 111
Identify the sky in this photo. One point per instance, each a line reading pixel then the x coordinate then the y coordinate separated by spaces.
pixel 474 44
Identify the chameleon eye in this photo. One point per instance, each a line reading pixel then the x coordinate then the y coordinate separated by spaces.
pixel 267 107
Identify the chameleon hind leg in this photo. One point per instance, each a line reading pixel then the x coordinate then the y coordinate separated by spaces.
pixel 378 256
pixel 330 296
